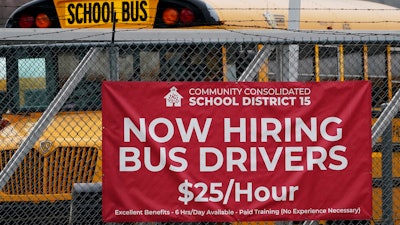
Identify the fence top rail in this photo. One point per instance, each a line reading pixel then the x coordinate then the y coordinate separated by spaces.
pixel 10 36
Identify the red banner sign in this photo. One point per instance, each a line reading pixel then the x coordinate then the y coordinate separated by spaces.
pixel 215 151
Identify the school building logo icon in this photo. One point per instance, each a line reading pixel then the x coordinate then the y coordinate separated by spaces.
pixel 173 98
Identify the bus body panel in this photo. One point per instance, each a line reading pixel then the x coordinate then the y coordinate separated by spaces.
pixel 314 14
pixel 63 155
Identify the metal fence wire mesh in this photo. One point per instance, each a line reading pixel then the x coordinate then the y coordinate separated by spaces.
pixel 50 103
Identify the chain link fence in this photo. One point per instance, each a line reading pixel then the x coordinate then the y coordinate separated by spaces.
pixel 50 103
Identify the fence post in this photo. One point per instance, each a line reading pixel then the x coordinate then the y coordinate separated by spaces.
pixel 387 178
pixel 114 70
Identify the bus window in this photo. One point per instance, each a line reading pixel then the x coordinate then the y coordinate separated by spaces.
pixel 237 58
pixel 67 63
pixel 3 86
pixel 32 82
pixel 170 63
pixel 87 93
pixel 199 63
pixel 353 62
pixel 149 65
pixel 329 65
pixel 395 68
pixel 378 76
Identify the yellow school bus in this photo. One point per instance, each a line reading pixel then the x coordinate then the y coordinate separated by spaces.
pixel 226 14
pixel 63 157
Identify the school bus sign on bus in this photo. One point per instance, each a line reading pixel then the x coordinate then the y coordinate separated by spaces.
pixel 101 12
pixel 236 151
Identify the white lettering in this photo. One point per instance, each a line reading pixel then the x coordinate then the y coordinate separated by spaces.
pixel 162 130
pixel 133 159
pixel 204 151
pixel 129 160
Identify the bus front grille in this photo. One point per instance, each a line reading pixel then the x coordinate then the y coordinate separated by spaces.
pixel 54 173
